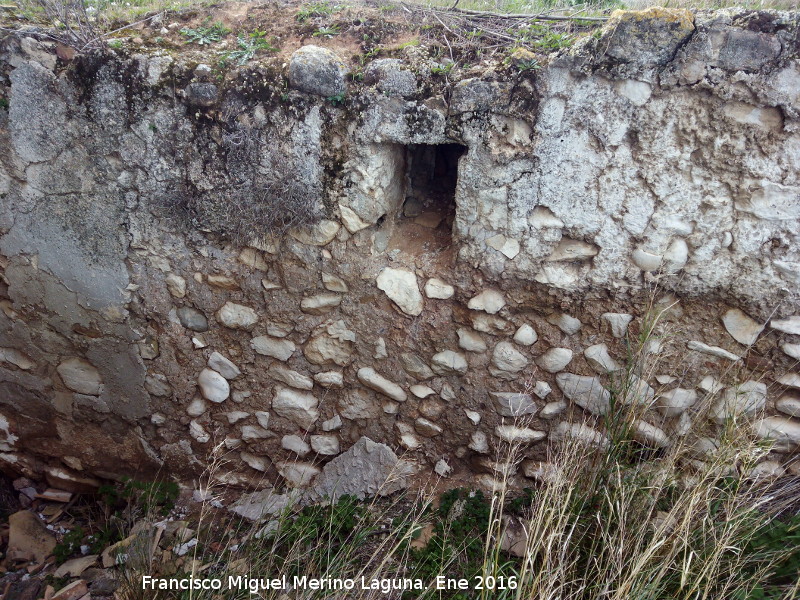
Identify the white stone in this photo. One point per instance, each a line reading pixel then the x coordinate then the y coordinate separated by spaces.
pixel 489 301
pixel 638 92
pixel 791 350
pixel 197 431
pixel 213 386
pixel 16 358
pixel 712 350
pixel 479 443
pixel 251 433
pixel 330 379
pixel 438 289
pixel 785 432
pixel 252 257
pixel 491 324
pixel 473 416
pixel 646 261
pixel 262 416
pixel 240 396
pixel 223 366
pixel 332 424
pixel 470 341
pixel 327 445
pixel 400 285
pixel 298 407
pixel 567 324
pixel 525 335
pixel 447 392
pixel 568 250
pixel 319 234
pixel 427 428
pixel 788 325
pixel 441 468
pixel 541 389
pixel 790 380
pixel 237 316
pixel 789 404
pixel 513 404
pixel 158 419
pixel 769 469
pixel 518 435
pixel 196 407
pixel 290 377
pixel 370 378
pixel 649 435
pixel 270 285
pixel 358 404
pixel 674 402
pixel 320 304
pixel 507 358
pixel 449 363
pixel 255 462
pixel 260 505
pixel 273 347
pixel 552 410
pixel 297 474
pixel 578 432
pixel 676 256
pixel 586 392
pixel 80 376
pixel 224 282
pixel 421 391
pixel 508 247
pixel 739 401
pixel 176 285
pixel 742 327
pixel 352 222
pixel 332 343
pixel 619 323
pixel 296 444
pixel 332 283
pixel 636 390
pixel 710 385
pixel 555 359
pixel 407 439
pixel 235 416
pixel 600 360
pixel 380 349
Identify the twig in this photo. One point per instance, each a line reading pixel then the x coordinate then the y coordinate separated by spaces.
pixel 529 17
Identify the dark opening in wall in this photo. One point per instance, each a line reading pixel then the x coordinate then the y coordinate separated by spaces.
pixel 432 174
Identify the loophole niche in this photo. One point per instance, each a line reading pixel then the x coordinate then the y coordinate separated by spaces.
pixel 430 197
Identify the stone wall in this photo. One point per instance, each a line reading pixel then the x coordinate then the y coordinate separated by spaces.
pixel 150 313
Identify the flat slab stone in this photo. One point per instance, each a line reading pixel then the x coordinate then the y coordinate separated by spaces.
pixel 586 392
pixel 366 469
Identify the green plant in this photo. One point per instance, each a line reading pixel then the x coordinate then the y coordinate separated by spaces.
pixel 205 36
pixel 316 9
pixel 248 46
pixel 145 497
pixel 442 69
pixel 336 99
pixel 4 103
pixel 70 544
pixel 116 44
pixel 326 32
pixel 528 65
